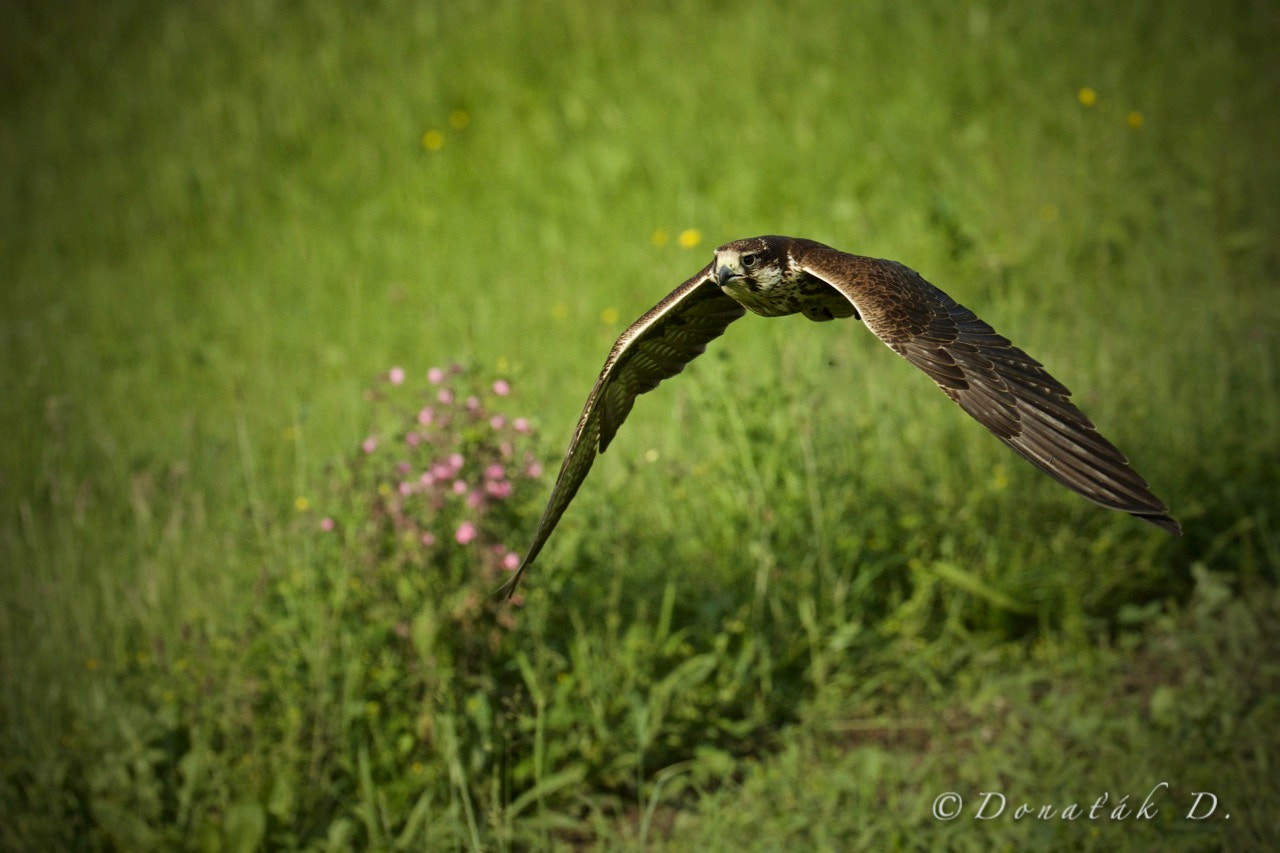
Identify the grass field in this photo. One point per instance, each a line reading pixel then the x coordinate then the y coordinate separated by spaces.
pixel 802 596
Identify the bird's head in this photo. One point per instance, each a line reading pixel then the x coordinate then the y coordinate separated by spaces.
pixel 754 265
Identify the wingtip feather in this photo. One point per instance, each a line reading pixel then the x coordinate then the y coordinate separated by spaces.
pixel 1164 521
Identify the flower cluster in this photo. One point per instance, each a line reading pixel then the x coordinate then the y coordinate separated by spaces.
pixel 1088 97
pixel 445 470
pixel 433 139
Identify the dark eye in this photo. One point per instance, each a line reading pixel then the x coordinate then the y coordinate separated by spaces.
pixel 749 261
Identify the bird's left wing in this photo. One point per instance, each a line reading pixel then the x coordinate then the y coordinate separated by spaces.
pixel 654 348
pixel 1003 388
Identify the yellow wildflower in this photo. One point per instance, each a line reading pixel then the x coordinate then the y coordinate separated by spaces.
pixel 1088 97
pixel 1135 119
pixel 458 119
pixel 433 140
pixel 689 238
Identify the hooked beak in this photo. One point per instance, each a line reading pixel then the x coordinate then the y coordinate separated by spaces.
pixel 725 274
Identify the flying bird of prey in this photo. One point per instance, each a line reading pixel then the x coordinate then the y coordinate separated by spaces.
pixel 1002 387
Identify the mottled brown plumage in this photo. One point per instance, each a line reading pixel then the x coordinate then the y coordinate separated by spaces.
pixel 1002 387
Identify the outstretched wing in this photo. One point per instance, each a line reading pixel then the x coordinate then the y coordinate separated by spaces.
pixel 1002 387
pixel 654 348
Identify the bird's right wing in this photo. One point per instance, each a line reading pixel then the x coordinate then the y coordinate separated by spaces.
pixel 654 348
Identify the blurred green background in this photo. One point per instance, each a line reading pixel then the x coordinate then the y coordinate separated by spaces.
pixel 802 595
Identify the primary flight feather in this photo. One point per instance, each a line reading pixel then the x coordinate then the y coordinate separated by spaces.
pixel 1002 387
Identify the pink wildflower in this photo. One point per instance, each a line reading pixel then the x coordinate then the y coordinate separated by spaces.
pixel 495 472
pixel 435 376
pixel 426 416
pixel 497 422
pixel 396 375
pixel 466 533
pixel 474 499
pixel 370 444
pixel 521 425
pixel 534 469
pixel 445 396
pixel 459 486
pixel 326 524
pixel 428 539
pixel 498 488
pixel 473 404
pixel 502 387
pixel 511 561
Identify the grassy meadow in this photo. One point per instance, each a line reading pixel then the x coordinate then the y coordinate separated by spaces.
pixel 264 264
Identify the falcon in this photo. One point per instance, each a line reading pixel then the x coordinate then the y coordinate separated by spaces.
pixel 999 385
